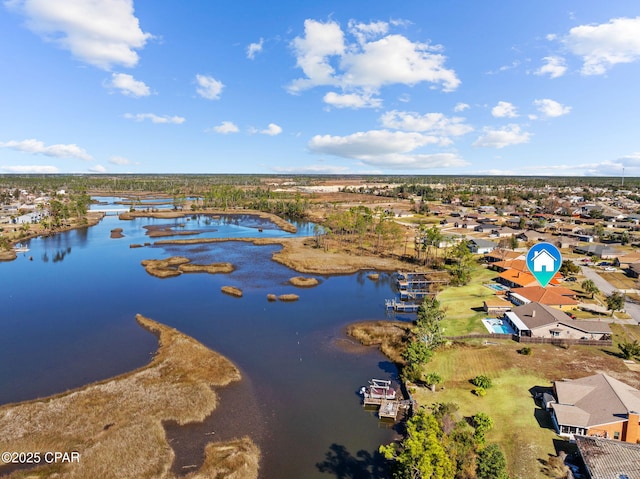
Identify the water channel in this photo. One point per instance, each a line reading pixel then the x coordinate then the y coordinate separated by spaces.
pixel 67 319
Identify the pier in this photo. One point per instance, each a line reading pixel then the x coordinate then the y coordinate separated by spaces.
pixel 413 288
pixel 380 395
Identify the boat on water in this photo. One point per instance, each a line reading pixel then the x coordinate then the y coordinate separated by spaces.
pixel 20 248
pixel 378 389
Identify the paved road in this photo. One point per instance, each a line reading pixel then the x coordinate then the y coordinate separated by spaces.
pixel 631 307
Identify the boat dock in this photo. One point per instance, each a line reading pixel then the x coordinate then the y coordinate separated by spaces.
pixel 392 304
pixel 380 395
pixel 413 288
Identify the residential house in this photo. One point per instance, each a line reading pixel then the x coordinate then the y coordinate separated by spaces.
pixel 627 260
pixel 634 270
pixel 597 405
pixel 537 320
pixel 501 254
pixel 481 246
pixel 606 459
pixel 601 250
pixel 556 296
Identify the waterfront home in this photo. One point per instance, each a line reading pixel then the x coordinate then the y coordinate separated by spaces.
pixel 597 405
pixel 556 296
pixel 537 320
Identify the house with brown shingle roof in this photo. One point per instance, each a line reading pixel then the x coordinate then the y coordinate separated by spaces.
pixel 606 458
pixel 597 405
pixel 541 321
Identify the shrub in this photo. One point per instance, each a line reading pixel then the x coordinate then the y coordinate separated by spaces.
pixel 480 391
pixel 526 351
pixel 482 381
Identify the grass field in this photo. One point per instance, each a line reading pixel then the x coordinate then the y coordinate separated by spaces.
pixel 522 429
pixel 463 304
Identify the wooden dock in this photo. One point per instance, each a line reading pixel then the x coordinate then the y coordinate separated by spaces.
pixel 392 304
pixel 387 408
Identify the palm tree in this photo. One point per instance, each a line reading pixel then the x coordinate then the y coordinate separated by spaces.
pixel 588 286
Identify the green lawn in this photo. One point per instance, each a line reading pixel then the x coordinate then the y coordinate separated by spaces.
pixel 460 304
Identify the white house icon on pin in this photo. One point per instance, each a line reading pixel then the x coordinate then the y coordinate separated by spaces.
pixel 543 261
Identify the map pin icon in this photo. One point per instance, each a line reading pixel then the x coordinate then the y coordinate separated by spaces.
pixel 544 261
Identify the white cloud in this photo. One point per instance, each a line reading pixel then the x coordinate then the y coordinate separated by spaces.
pixel 119 160
pixel 128 85
pixel 434 123
pixel 57 151
pixel 554 67
pixel 461 107
pixel 226 127
pixel 550 108
pixel 176 120
pixel 254 48
pixel 372 60
pixel 509 135
pixel 352 100
pixel 102 33
pixel 30 169
pixel 271 130
pixel 313 169
pixel 383 148
pixel 605 45
pixel 504 109
pixel 97 169
pixel 209 87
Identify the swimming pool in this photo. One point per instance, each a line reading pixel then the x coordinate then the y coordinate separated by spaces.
pixel 497 326
pixel 497 287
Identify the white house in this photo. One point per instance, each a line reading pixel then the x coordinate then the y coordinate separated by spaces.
pixel 544 261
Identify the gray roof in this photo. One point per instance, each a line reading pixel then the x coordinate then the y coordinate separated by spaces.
pixel 535 315
pixel 609 459
pixel 483 243
pixel 594 400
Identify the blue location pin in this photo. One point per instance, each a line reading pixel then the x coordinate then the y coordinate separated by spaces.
pixel 544 261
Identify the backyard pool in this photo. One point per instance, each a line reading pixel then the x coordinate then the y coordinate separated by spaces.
pixel 497 326
pixel 497 287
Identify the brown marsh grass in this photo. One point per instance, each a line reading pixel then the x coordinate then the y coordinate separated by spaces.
pixel 176 265
pixel 302 282
pixel 232 291
pixel 116 424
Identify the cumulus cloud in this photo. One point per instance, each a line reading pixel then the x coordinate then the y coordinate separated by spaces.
pixel 208 87
pixel 254 48
pixel 509 135
pixel 550 108
pixel 30 169
pixel 366 61
pixel 57 151
pixel 554 67
pixel 434 123
pixel 102 33
pixel 352 100
pixel 384 148
pixel 128 85
pixel 176 120
pixel 226 127
pixel 272 130
pixel 97 169
pixel 504 109
pixel 119 160
pixel 605 45
pixel 461 107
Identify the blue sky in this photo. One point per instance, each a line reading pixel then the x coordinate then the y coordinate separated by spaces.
pixel 415 87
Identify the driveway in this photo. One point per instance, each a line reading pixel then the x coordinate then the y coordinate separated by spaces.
pixel 631 307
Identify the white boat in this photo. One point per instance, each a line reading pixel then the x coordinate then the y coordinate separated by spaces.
pixel 20 249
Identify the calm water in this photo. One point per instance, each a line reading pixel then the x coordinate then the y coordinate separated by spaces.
pixel 68 318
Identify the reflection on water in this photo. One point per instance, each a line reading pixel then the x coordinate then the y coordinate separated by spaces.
pixel 71 324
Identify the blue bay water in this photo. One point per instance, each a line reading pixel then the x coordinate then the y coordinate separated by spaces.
pixel 68 318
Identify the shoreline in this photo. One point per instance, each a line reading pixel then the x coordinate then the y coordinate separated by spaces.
pixel 93 218
pixel 106 420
